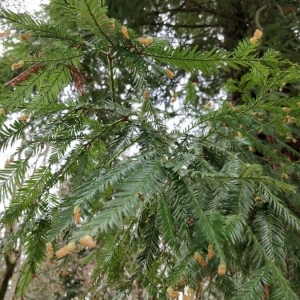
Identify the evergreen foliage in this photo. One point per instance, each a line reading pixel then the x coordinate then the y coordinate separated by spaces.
pixel 222 186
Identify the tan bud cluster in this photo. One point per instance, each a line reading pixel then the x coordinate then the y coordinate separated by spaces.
pixel 71 246
pixel 125 33
pixel 87 241
pixel 169 73
pixel 239 134
pixel 24 37
pixel 49 250
pixel 251 149
pixel 210 252
pixel 181 282
pixel 207 105
pixel 171 293
pixel 76 215
pixel 17 65
pixel 256 36
pixel 7 162
pixel 199 259
pixel 146 94
pixel 2 111
pixel 221 269
pixel 23 118
pixel 62 252
pixel 112 24
pixel 190 295
pixel 146 41
pixel 174 97
pixel 286 109
pixel 230 105
pixel 64 272
pixel 289 119
pixel 5 33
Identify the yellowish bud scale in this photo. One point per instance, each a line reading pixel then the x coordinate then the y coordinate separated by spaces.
pixel 62 252
pixel 17 65
pixel 169 73
pixel 171 293
pixel 222 269
pixel 125 33
pixel 87 241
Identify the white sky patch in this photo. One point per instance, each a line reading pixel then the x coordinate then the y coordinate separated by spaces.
pixel 29 6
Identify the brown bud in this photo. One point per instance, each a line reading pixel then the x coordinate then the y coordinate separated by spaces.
pixel 257 34
pixel 199 259
pixel 146 94
pixel 174 97
pixel 210 252
pixel 169 73
pixel 87 241
pixel 71 246
pixel 172 293
pixel 5 33
pixel 49 250
pixel 125 33
pixel 17 65
pixel 62 252
pixel 221 269
pixel 253 40
pixel 7 162
pixel 251 149
pixel 112 24
pixel 77 215
pixel 23 118
pixel 207 105
pixel 64 272
pixel 146 41
pixel 24 37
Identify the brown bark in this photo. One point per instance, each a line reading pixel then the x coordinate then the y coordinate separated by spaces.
pixel 9 271
pixel 267 291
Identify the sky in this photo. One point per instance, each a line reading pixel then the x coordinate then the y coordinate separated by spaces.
pixel 28 5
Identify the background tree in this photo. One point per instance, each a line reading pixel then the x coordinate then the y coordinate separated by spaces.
pixel 206 206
